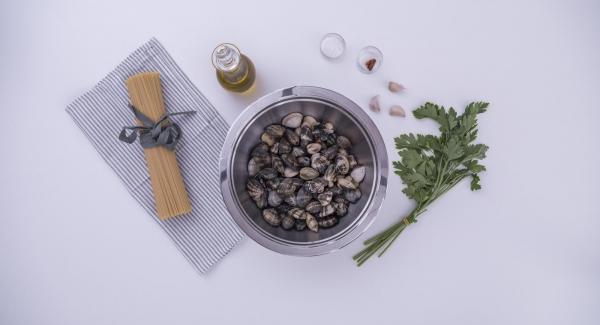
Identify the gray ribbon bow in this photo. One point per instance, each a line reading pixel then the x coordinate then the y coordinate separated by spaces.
pixel 153 134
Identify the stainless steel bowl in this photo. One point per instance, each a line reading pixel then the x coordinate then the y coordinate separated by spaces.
pixel 349 120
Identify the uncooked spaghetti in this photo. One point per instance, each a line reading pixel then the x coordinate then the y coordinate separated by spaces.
pixel 170 195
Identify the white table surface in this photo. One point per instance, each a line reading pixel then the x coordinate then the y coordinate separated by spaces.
pixel 75 248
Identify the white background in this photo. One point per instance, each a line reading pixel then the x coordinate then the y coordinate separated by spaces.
pixel 75 248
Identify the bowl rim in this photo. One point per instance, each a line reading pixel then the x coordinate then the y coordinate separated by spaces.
pixel 362 221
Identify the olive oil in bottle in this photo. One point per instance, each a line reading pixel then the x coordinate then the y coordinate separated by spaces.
pixel 235 71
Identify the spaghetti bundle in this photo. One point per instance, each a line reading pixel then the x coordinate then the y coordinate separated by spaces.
pixel 170 195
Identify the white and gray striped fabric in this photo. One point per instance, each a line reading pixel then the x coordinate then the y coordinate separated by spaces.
pixel 206 234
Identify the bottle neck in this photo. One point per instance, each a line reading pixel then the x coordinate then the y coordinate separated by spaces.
pixel 226 57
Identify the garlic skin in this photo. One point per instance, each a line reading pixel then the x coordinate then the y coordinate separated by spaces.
pixel 397 110
pixel 395 87
pixel 374 104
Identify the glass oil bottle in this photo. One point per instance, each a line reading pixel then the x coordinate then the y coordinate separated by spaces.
pixel 235 71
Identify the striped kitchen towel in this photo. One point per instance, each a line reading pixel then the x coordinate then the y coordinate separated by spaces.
pixel 206 234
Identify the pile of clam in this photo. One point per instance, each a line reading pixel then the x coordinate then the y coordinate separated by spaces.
pixel 303 175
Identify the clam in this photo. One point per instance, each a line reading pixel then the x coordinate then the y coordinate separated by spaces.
pixel 336 190
pixel 309 121
pixel 331 139
pixel 315 186
pixel 253 167
pixel 325 198
pixel 255 189
pixel 298 152
pixel 261 201
pixel 308 173
pixel 313 207
pixel 329 175
pixel 273 184
pixel 328 222
pixel 287 222
pixel 274 148
pixel 290 200
pixel 343 142
pixel 271 217
pixel 292 120
pixel 341 209
pixel 311 222
pixel 299 225
pixel 286 187
pixel 318 162
pixel 313 148
pixel 346 183
pixel 353 195
pixel 267 173
pixel 275 130
pixel 260 149
pixel 277 164
pixel 292 137
pixel 306 136
pixel 274 199
pixel 342 165
pixel 297 213
pixel 290 172
pixel 327 210
pixel 284 146
pixel 303 198
pixel 268 139
pixel 303 161
pixel 330 152
pixel 328 128
pixel 358 174
pixel 289 160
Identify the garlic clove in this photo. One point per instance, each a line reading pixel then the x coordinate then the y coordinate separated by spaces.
pixel 374 104
pixel 397 110
pixel 395 87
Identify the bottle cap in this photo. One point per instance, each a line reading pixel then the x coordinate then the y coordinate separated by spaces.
pixel 226 57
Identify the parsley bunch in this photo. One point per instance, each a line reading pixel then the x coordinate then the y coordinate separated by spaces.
pixel 431 165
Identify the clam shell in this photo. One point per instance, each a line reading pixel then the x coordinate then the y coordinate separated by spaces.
pixel 309 121
pixel 297 213
pixel 292 137
pixel 290 172
pixel 313 207
pixel 328 222
pixel 353 195
pixel 308 173
pixel 292 120
pixel 313 148
pixel 275 130
pixel 325 198
pixel 287 222
pixel 303 198
pixel 271 217
pixel 274 199
pixel 327 210
pixel 267 138
pixel 343 142
pixel 358 174
pixel 346 183
pixel 342 165
pixel 311 222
